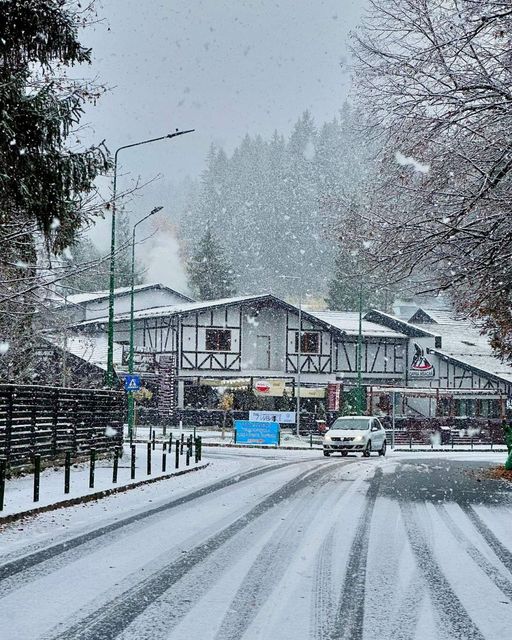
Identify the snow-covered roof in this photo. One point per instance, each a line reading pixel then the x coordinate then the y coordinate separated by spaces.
pixel 89 296
pixel 348 322
pixel 91 348
pixel 425 315
pixel 463 342
pixel 173 309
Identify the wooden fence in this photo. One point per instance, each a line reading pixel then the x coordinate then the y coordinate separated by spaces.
pixel 50 421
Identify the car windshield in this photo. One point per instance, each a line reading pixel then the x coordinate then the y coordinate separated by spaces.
pixel 351 424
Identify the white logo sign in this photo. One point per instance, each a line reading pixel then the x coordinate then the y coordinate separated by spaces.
pixel 283 417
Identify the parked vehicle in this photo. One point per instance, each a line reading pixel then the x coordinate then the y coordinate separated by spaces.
pixel 355 433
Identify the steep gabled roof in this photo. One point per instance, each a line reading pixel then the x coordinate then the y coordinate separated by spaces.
pixel 97 296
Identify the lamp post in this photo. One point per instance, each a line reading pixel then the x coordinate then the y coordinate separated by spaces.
pixel 359 403
pixel 299 354
pixel 131 403
pixel 110 352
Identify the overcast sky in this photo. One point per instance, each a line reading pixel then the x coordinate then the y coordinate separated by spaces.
pixel 223 67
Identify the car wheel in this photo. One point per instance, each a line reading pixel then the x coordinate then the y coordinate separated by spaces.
pixel 382 451
pixel 368 450
pixel 327 454
pixel 344 453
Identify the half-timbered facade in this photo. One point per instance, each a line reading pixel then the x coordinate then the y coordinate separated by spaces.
pixel 259 337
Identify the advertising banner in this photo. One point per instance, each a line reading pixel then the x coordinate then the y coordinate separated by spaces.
pixel 249 432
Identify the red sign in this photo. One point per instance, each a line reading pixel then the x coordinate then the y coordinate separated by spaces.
pixel 333 396
pixel 262 386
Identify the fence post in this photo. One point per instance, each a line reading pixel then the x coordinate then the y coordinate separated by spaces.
pixel 164 460
pixel 177 455
pixel 188 457
pixel 132 462
pixel 37 476
pixel 67 471
pixel 116 466
pixel 91 468
pixel 153 441
pixel 310 440
pixel 196 451
pixel 148 461
pixel 170 442
pixel 8 426
pixel 55 419
pixel 200 440
pixel 182 443
pixel 2 483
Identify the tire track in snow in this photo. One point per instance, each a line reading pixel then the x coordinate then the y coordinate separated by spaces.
pixel 348 622
pixel 107 622
pixel 268 569
pixel 455 619
pixel 323 599
pixel 490 537
pixel 30 563
pixel 492 572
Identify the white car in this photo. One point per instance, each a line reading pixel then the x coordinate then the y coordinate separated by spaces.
pixel 355 433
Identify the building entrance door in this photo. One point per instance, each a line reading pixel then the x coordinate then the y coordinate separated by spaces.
pixel 262 352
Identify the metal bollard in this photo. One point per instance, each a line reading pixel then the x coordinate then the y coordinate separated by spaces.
pixel 164 445
pixel 91 468
pixel 177 455
pixel 170 442
pixel 116 466
pixel 182 444
pixel 3 466
pixel 132 463
pixel 452 441
pixel 310 440
pixel 37 476
pixel 154 441
pixel 148 461
pixel 188 457
pixel 410 442
pixel 164 461
pixel 196 451
pixel 200 441
pixel 67 471
pixel 194 433
pixel 165 431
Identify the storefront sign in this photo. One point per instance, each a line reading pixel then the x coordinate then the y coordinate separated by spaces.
pixel 269 387
pixel 249 432
pixel 421 367
pixel 282 417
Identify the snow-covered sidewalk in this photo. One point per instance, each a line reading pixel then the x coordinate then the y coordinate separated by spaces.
pixel 19 491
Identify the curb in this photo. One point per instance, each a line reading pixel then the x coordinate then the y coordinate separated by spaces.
pixel 90 497
pixel 428 449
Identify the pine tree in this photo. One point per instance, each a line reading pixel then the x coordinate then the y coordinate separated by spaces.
pixel 43 177
pixel 210 275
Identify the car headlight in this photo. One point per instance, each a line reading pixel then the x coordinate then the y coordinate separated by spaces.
pixel 327 436
pixel 358 438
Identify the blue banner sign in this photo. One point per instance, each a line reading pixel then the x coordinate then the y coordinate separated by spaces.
pixel 250 432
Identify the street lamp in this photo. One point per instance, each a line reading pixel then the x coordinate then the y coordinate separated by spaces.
pixel 110 353
pixel 131 404
pixel 299 352
pixel 359 400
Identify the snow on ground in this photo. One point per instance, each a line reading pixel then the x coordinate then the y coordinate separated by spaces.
pixel 19 490
pixel 277 544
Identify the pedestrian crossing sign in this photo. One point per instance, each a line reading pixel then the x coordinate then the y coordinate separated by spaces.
pixel 132 383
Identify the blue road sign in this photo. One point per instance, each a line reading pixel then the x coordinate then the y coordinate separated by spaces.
pixel 250 432
pixel 132 383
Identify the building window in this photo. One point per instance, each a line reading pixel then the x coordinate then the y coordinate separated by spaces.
pixel 218 340
pixel 310 342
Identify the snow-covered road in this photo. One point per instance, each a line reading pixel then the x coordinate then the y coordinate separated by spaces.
pixel 272 546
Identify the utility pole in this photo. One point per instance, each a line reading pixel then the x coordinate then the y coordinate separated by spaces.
pixel 359 404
